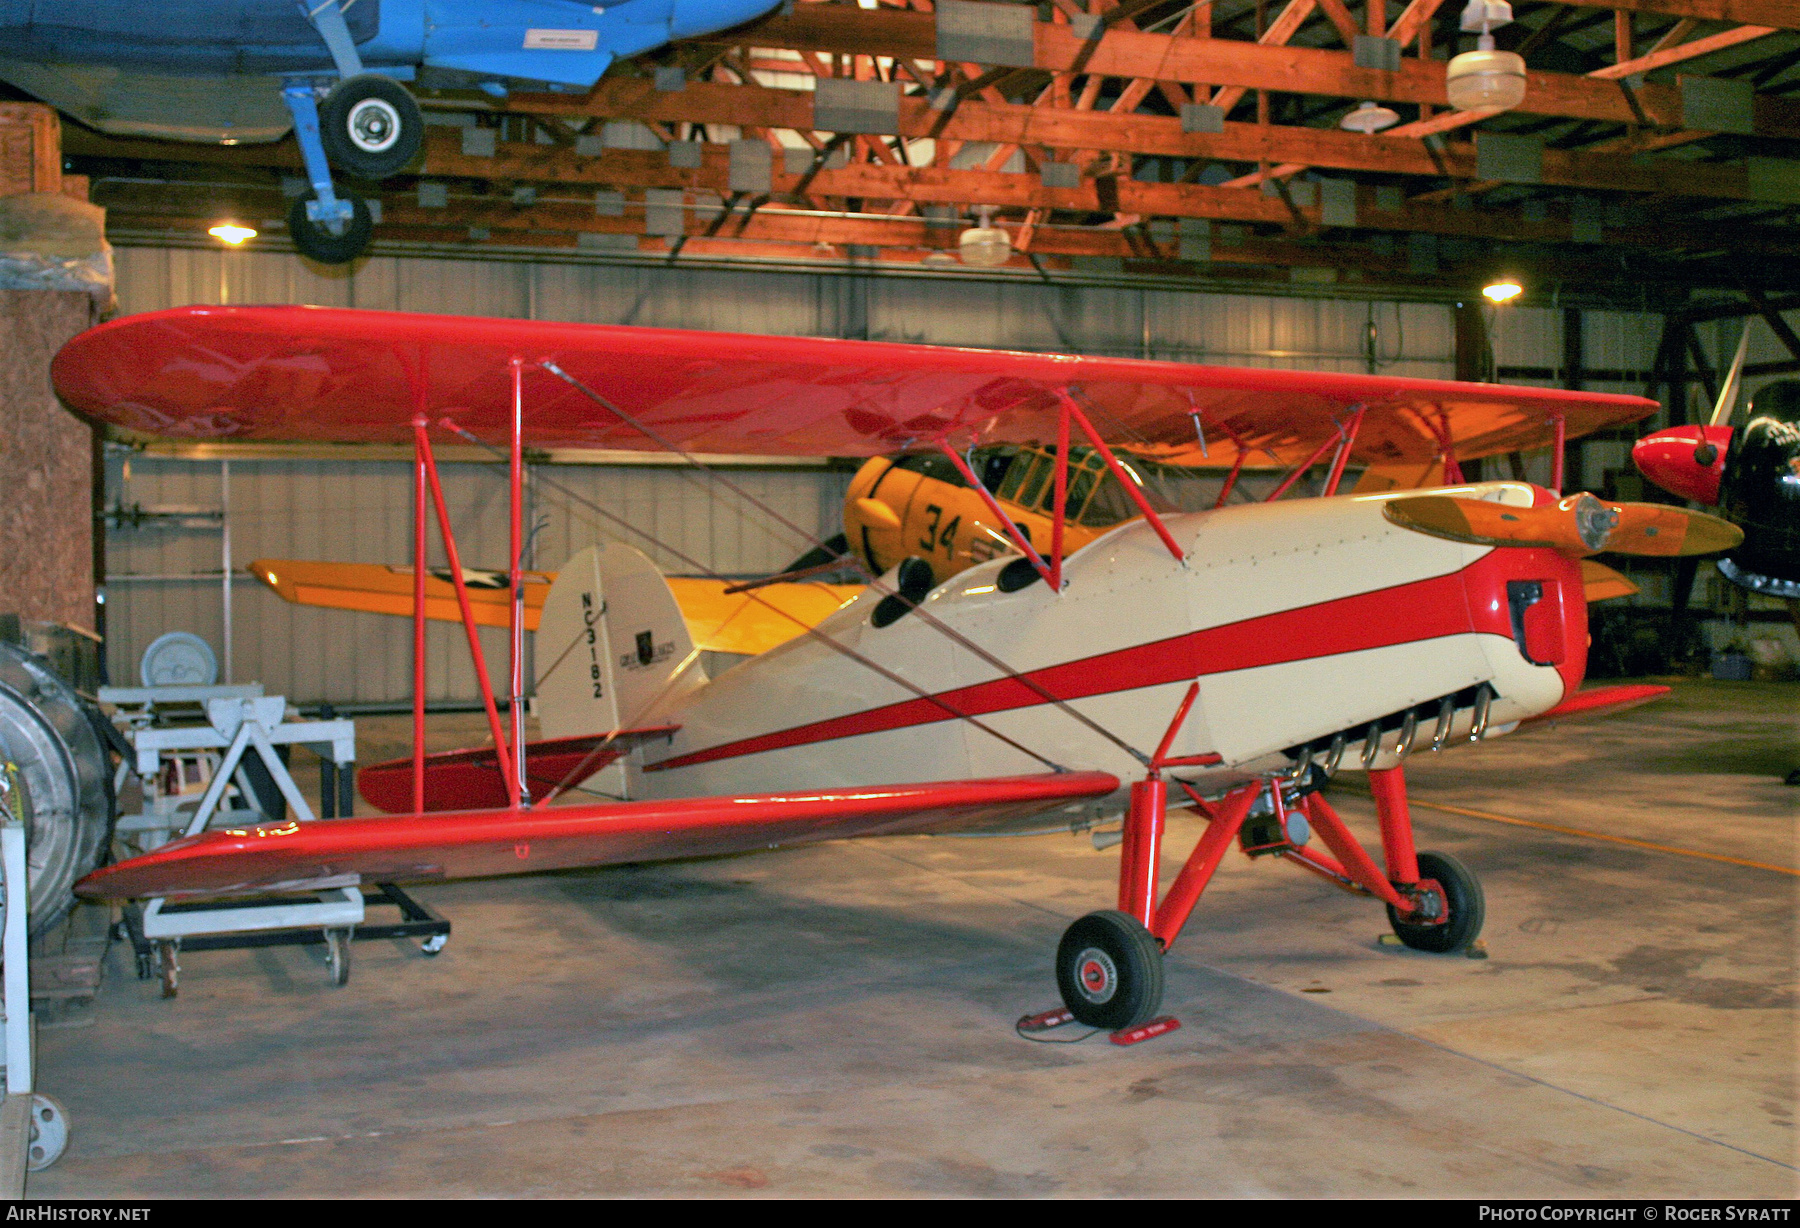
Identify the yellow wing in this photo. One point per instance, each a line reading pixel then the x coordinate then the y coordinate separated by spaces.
pixel 755 621
pixel 718 621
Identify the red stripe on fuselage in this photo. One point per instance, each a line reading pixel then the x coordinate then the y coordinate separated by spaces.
pixel 1404 614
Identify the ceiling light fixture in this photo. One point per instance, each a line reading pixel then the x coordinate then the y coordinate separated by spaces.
pixel 985 245
pixel 1370 117
pixel 1502 290
pixel 232 233
pixel 1485 77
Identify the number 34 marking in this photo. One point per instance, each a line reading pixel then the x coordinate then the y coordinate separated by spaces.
pixel 934 538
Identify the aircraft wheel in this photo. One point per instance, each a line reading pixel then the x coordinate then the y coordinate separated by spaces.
pixel 49 1133
pixel 1110 971
pixel 317 243
pixel 168 963
pixel 1461 895
pixel 371 126
pixel 337 957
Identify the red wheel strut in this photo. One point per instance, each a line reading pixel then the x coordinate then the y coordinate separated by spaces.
pixel 1389 789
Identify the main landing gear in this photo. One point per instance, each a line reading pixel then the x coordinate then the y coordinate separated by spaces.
pixel 367 124
pixel 1109 964
pixel 1110 971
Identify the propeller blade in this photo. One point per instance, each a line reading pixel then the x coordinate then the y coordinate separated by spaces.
pixel 1577 526
pixel 1728 391
pixel 1663 531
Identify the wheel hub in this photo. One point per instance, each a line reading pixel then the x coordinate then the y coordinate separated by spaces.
pixel 1429 905
pixel 374 125
pixel 1096 976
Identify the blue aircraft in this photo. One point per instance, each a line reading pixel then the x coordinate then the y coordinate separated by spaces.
pixel 225 71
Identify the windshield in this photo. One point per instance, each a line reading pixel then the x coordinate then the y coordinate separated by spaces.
pixel 1095 497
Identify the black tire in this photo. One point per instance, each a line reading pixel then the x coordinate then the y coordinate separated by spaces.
pixel 1110 971
pixel 316 243
pixel 371 126
pixel 337 957
pixel 1462 895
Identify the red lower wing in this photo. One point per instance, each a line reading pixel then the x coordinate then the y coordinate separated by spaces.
pixel 469 844
pixel 1601 701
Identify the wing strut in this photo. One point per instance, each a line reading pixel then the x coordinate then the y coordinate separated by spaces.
pixel 419 547
pixel 1560 422
pixel 427 463
pixel 1294 473
pixel 1051 575
pixel 1237 466
pixel 1348 434
pixel 1131 485
pixel 519 790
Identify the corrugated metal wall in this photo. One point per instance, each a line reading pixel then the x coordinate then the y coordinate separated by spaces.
pixel 360 512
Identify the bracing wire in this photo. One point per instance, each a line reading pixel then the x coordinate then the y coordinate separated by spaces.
pixel 843 649
pixel 874 581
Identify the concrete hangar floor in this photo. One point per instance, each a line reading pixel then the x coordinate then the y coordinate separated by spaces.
pixel 837 1020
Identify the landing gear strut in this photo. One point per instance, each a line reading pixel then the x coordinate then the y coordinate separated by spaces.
pixel 368 125
pixel 1109 965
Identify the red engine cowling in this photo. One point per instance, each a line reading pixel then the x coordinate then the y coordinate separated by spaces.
pixel 1535 598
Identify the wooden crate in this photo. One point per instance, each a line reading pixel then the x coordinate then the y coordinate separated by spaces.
pixel 30 149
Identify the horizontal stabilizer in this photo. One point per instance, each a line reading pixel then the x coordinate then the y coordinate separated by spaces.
pixel 1577 526
pixel 471 779
pixel 469 844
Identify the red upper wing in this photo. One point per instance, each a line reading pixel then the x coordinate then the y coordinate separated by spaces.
pixel 473 843
pixel 332 374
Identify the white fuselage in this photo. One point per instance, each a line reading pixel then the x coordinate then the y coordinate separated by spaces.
pixel 1300 619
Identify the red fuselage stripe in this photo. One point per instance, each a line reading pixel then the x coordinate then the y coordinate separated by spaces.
pixel 1404 614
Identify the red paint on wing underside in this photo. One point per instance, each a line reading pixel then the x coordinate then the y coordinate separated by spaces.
pixel 1473 599
pixel 465 844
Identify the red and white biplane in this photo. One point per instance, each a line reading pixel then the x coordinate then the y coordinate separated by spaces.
pixel 1240 656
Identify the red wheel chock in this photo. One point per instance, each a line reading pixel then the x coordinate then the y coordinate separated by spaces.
pixel 1046 1021
pixel 1162 1025
pixel 1043 1021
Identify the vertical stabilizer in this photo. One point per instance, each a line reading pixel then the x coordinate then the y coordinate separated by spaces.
pixel 612 647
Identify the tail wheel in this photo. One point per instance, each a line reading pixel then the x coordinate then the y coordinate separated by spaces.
pixel 315 242
pixel 337 956
pixel 371 126
pixel 1453 889
pixel 1110 971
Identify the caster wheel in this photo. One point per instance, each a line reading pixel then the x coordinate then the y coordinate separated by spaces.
pixel 434 944
pixel 337 957
pixel 1110 971
pixel 317 243
pixel 168 963
pixel 1459 893
pixel 371 126
pixel 49 1133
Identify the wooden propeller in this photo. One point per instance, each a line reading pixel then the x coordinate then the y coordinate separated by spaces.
pixel 1577 526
